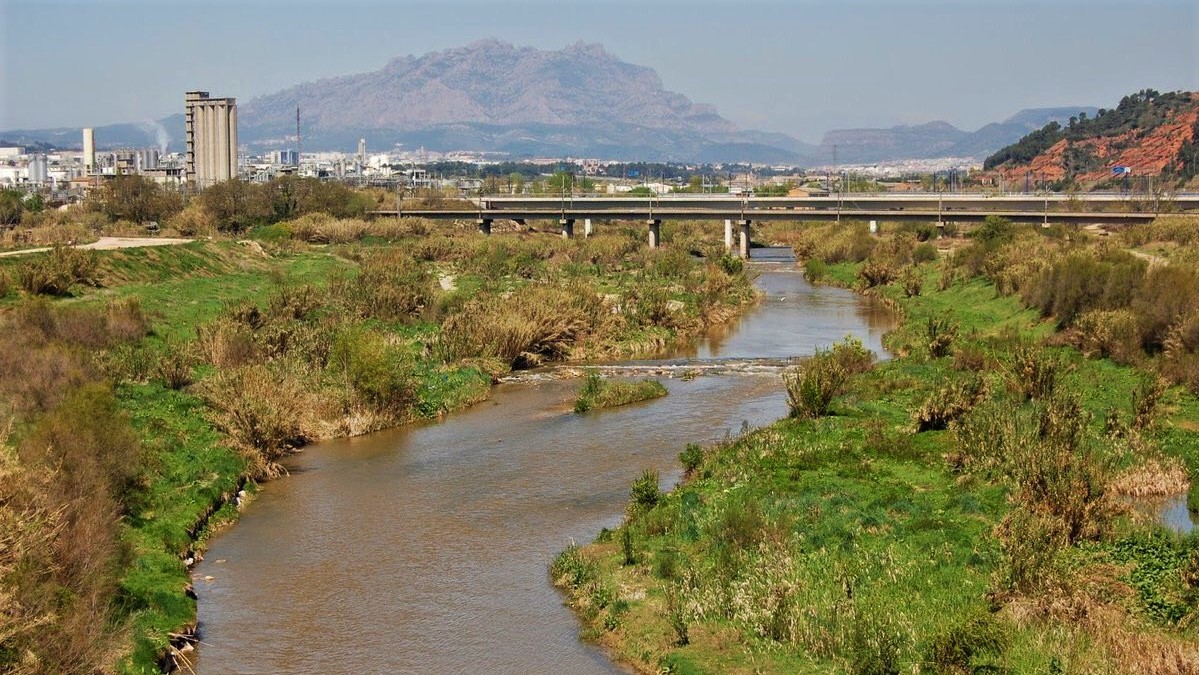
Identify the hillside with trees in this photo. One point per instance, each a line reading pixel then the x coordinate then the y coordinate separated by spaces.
pixel 1152 134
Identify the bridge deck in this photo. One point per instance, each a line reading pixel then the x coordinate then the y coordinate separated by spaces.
pixel 645 213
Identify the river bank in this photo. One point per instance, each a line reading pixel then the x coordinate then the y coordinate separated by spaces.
pixel 855 543
pixel 223 357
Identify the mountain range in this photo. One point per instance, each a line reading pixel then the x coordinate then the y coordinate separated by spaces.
pixel 579 101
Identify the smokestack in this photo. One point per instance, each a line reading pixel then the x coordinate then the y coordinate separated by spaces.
pixel 89 150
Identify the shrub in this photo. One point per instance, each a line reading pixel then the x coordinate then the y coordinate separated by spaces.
pixel 626 546
pixel 1110 333
pixel 1031 543
pixel 969 358
pixel 877 273
pixel 174 367
pixel 692 457
pixel 812 385
pixel 1034 371
pixel 912 282
pixel 954 649
pixel 923 253
pixel 57 271
pixel 995 231
pixel 390 285
pixel 1146 397
pixel 949 402
pixel 192 221
pixel 1062 475
pixel 644 494
pixel 378 373
pixel 534 324
pixel 265 412
pixel 571 569
pixel 939 333
pixel 227 343
pixel 814 269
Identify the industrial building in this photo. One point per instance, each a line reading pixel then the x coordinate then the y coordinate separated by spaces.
pixel 211 125
pixel 89 150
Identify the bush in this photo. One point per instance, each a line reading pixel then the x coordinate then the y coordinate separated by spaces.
pixel 1110 333
pixel 644 494
pixel 1034 371
pixel 59 270
pixel 812 386
pixel 174 367
pixel 263 411
pixel 379 374
pixel 1146 397
pixel 954 649
pixel 692 457
pixel 912 282
pixel 390 286
pixel 939 333
pixel 1062 475
pixel 923 253
pixel 949 402
pixel 535 324
pixel 814 269
pixel 877 273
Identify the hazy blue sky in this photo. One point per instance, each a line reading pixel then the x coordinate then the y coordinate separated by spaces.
pixel 797 67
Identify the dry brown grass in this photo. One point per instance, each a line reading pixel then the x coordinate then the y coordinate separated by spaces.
pixel 535 324
pixel 1152 477
pixel 267 413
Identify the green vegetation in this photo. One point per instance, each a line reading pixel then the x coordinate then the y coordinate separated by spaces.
pixel 146 389
pixel 597 392
pixel 961 508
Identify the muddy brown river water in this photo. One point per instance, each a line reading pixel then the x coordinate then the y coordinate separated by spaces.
pixel 425 549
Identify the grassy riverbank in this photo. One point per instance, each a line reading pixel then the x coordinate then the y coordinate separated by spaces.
pixel 963 507
pixel 159 383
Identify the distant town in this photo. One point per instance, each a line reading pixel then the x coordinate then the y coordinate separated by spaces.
pixel 66 175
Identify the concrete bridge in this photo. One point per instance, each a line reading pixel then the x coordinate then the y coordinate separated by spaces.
pixel 739 213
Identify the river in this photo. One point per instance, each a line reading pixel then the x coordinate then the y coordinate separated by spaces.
pixel 425 549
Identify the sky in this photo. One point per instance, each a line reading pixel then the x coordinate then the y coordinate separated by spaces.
pixel 796 67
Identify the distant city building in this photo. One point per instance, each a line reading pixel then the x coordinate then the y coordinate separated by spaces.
pixel 12 152
pixel 285 157
pixel 89 150
pixel 361 152
pixel 38 170
pixel 211 125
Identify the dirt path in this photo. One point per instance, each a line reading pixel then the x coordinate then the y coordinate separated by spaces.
pixel 109 243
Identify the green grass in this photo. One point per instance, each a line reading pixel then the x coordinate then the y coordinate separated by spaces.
pixel 190 473
pixel 860 524
pixel 597 393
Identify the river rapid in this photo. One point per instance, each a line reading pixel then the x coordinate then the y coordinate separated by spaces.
pixel 425 549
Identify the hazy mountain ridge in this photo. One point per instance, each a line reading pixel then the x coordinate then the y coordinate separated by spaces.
pixel 579 101
pixel 936 139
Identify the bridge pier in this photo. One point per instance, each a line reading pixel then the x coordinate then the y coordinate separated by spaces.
pixel 728 234
pixel 484 225
pixel 586 227
pixel 745 236
pixel 655 233
pixel 568 227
